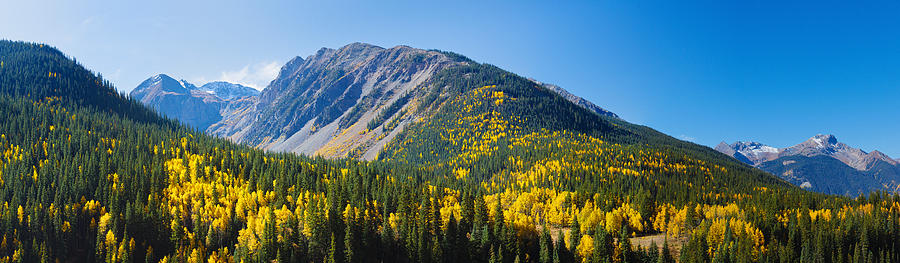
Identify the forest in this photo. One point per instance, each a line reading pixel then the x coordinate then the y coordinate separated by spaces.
pixel 505 171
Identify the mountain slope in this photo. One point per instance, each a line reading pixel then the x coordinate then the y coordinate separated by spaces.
pixel 83 181
pixel 830 166
pixel 501 128
pixel 324 104
pixel 38 71
pixel 199 107
pixel 335 103
pixel 822 174
pixel 577 100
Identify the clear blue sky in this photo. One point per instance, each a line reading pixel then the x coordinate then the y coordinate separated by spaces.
pixel 776 72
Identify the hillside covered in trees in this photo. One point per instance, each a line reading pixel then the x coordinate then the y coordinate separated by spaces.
pixel 503 171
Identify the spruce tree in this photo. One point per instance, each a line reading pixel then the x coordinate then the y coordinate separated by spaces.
pixel 334 256
pixel 556 251
pixel 624 246
pixel 666 255
pixel 546 243
pixel 653 252
pixel 350 241
pixel 574 236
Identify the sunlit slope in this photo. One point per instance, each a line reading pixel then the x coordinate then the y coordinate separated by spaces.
pixel 493 125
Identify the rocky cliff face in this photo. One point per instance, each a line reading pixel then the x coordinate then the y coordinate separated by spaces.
pixel 826 163
pixel 199 107
pixel 323 104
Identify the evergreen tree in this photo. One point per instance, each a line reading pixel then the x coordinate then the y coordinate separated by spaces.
pixel 350 248
pixel 557 253
pixel 624 246
pixel 334 253
pixel 666 255
pixel 574 236
pixel 603 245
pixel 546 243
pixel 653 252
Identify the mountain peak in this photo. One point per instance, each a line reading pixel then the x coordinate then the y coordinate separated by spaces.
pixel 818 145
pixel 724 146
pixel 160 77
pixel 820 160
pixel 353 100
pixel 198 107
pixel 360 45
pixel 824 139
pixel 158 84
pixel 752 153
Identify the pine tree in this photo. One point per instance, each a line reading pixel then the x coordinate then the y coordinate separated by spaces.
pixel 334 255
pixel 624 246
pixel 450 245
pixel 493 257
pixel 387 241
pixel 574 236
pixel 546 243
pixel 666 254
pixel 603 245
pixel 557 257
pixel 350 248
pixel 653 252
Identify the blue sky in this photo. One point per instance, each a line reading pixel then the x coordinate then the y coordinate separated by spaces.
pixel 776 72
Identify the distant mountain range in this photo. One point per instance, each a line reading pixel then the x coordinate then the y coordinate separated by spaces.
pixel 822 164
pixel 346 102
pixel 198 107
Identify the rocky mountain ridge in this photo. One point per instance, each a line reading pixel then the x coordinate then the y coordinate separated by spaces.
pixel 755 153
pixel 345 102
pixel 198 107
pixel 821 160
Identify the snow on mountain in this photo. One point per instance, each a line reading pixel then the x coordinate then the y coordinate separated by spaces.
pixel 227 91
pixel 822 163
pixel 198 107
pixel 821 144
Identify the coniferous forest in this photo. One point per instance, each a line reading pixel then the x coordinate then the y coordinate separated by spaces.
pixel 502 171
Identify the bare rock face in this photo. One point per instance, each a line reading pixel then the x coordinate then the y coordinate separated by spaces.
pixel 867 171
pixel 322 105
pixel 199 107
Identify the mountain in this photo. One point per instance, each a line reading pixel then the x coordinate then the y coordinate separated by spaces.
pixel 341 102
pixel 491 164
pixel 228 91
pixel 821 163
pixel 198 107
pixel 328 104
pixel 749 152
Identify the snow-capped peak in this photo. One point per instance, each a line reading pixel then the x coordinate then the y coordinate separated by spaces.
pixel 756 153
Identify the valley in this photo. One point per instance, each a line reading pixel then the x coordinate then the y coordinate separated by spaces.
pixel 405 155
